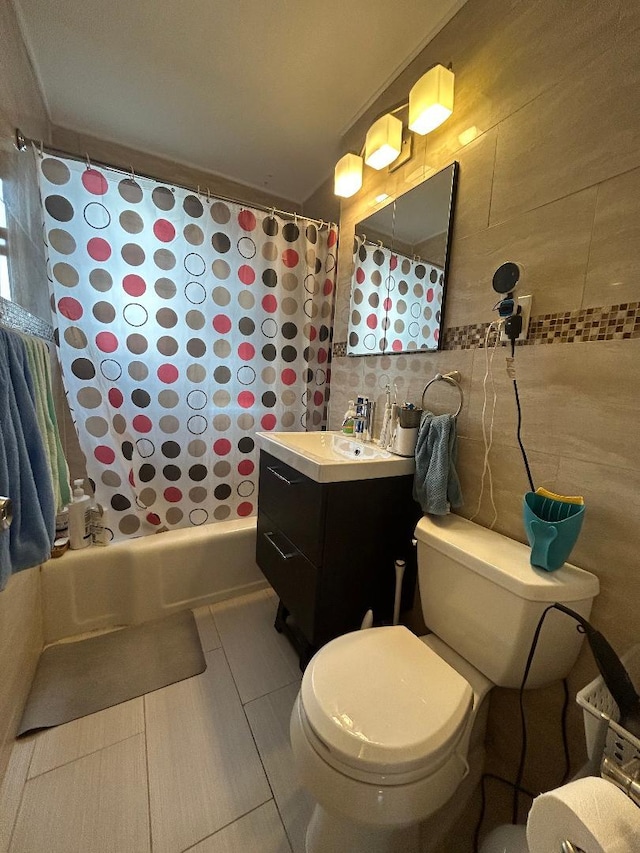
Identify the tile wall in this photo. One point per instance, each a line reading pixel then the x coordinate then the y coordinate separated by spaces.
pixel 20 105
pixel 552 181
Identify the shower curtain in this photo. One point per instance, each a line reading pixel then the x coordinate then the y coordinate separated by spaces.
pixel 185 324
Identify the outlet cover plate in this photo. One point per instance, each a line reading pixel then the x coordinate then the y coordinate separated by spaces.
pixel 525 304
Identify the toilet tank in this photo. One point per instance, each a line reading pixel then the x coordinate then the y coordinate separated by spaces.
pixel 483 598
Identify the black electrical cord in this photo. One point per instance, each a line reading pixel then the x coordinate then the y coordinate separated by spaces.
pixel 483 803
pixel 522 450
pixel 565 736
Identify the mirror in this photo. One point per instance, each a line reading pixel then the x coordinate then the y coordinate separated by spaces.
pixel 400 258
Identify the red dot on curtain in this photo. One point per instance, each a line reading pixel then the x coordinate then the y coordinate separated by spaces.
pixel 387 304
pixel 134 285
pixel 288 376
pixel 436 334
pixel 106 342
pixel 167 373
pixel 318 398
pixel 313 333
pixel 244 509
pixel 270 303
pixel 164 230
pixel 246 467
pixel 290 258
pixel 246 220
pixel 172 495
pixel 141 423
pixel 322 355
pixel 328 287
pixel 132 479
pixel 246 399
pixel 152 518
pixel 104 454
pixel 70 308
pixel 98 249
pixel 372 321
pixel 222 446
pixel 331 239
pixel 430 295
pixel 94 182
pixel 246 351
pixel 360 275
pixel 115 397
pixel 268 422
pixel 396 346
pixel 393 263
pixel 221 323
pixel 246 274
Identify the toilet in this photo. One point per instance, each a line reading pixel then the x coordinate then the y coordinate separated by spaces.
pixel 387 730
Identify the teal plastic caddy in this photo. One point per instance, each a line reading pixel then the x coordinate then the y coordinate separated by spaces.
pixel 552 529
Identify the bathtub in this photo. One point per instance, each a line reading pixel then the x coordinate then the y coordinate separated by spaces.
pixel 131 582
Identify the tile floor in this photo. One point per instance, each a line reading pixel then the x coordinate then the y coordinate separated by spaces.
pixel 203 765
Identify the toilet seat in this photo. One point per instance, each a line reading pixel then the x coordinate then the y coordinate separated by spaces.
pixel 382 702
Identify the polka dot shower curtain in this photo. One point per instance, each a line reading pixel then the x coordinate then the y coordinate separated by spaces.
pixel 184 324
pixel 396 301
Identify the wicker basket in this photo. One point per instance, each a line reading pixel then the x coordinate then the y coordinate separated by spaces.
pixel 603 732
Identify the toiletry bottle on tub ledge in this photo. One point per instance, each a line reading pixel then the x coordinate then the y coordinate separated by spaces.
pixel 79 517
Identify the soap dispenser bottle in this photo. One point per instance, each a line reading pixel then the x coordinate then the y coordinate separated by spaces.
pixel 349 418
pixel 79 517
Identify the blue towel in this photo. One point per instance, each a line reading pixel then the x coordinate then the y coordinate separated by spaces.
pixel 24 473
pixel 435 484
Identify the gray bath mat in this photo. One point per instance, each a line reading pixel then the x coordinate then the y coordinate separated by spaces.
pixel 76 679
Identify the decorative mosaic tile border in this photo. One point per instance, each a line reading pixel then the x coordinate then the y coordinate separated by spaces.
pixel 17 318
pixel 605 323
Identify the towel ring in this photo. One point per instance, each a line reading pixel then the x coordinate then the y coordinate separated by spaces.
pixel 452 378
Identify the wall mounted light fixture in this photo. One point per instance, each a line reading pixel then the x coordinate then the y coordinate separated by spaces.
pixel 430 103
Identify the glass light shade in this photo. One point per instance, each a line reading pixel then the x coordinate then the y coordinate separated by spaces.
pixel 384 142
pixel 348 175
pixel 431 100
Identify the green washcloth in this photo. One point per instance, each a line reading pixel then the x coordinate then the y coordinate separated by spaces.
pixel 38 359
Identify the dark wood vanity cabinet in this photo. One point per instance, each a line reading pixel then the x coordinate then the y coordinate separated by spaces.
pixel 328 550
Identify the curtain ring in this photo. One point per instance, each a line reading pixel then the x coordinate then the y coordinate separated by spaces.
pixel 88 160
pixel 41 148
pixel 295 218
pixel 380 245
pixel 198 190
pixel 133 175
pixel 208 196
pixel 272 213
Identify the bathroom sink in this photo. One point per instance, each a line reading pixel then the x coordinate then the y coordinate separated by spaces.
pixel 331 457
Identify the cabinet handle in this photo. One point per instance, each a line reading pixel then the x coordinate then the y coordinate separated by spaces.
pixel 268 537
pixel 280 476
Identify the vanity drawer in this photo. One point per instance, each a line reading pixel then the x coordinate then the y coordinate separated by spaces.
pixel 294 503
pixel 289 572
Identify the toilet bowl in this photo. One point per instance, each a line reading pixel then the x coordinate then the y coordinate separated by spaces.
pixel 386 723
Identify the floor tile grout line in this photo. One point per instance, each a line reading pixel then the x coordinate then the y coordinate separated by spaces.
pixel 80 757
pixel 146 759
pixel 295 680
pixel 21 800
pixel 227 825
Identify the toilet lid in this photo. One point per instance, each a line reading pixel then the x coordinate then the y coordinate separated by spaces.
pixel 384 701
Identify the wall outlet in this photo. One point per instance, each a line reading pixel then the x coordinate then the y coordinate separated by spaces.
pixel 525 304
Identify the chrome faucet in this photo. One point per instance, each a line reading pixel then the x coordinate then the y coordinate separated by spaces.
pixel 363 421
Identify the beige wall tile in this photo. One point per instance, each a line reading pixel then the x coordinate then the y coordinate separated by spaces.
pixel 27 270
pixel 104 807
pixel 629 17
pixel 552 245
pixel 20 646
pixel 475 180
pixel 613 272
pixel 571 137
pixel 346 384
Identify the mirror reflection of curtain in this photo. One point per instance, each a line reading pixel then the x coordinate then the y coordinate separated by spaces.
pixel 396 301
pixel 184 325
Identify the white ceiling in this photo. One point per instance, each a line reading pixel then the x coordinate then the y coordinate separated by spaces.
pixel 260 92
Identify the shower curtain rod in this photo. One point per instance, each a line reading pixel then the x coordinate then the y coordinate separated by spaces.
pixel 22 143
